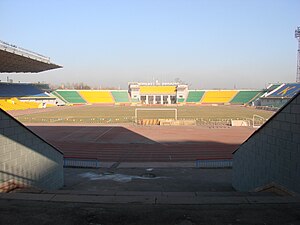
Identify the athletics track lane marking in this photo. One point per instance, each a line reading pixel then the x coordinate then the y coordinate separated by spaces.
pixel 105 132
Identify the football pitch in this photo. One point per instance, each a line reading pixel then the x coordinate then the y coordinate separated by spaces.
pixel 126 114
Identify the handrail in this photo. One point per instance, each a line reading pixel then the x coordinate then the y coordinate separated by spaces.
pixel 6 46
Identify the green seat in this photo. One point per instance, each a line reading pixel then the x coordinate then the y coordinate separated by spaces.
pixel 195 96
pixel 70 96
pixel 244 97
pixel 120 96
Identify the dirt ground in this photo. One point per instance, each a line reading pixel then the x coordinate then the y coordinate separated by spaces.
pixel 137 179
pixel 40 213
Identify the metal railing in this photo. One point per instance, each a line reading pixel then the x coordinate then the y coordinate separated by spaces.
pixel 214 163
pixel 21 51
pixel 81 162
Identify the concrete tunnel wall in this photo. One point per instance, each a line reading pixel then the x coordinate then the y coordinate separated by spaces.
pixel 272 153
pixel 26 158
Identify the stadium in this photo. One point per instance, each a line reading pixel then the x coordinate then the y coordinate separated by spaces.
pixel 47 134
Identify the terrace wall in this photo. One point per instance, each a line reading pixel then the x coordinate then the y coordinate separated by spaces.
pixel 26 158
pixel 272 153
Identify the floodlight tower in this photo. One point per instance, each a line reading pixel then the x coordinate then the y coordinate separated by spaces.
pixel 297 35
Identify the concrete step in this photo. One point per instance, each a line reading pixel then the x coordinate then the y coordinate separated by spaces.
pixel 148 197
pixel 153 198
pixel 157 194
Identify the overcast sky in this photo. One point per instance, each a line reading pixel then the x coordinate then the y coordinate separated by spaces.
pixel 209 44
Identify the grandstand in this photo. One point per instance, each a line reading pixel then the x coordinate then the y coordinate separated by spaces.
pixel 92 96
pixel 243 97
pixel 100 97
pixel 20 96
pixel 152 94
pixel 280 95
pixel 172 93
pixel 285 91
pixel 20 90
pixel 69 96
pixel 218 97
pixel 15 104
pixel 27 160
pixel 157 93
pixel 120 96
pixel 195 96
pixel 16 59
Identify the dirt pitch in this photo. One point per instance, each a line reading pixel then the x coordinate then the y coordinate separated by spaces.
pixel 130 143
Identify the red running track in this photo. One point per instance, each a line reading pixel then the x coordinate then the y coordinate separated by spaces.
pixel 128 143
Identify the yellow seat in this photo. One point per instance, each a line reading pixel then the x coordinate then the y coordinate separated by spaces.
pixel 16 104
pixel 221 96
pixel 97 96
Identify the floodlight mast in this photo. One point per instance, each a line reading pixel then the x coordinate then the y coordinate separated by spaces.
pixel 297 35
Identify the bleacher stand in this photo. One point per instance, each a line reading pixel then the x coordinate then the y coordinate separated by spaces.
pixel 71 97
pixel 20 96
pixel 279 96
pixel 194 96
pixel 218 97
pixel 20 90
pixel 120 96
pixel 97 97
pixel 244 97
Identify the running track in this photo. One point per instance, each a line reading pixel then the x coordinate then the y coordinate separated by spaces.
pixel 143 144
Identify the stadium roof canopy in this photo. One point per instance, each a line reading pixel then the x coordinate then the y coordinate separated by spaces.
pixel 14 59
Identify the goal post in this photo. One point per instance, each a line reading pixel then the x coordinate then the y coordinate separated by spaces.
pixel 158 110
pixel 258 121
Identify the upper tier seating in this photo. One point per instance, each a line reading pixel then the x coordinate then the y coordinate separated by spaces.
pixel 244 97
pixel 157 89
pixel 194 96
pixel 97 96
pixel 286 91
pixel 220 96
pixel 20 90
pixel 120 96
pixel 70 96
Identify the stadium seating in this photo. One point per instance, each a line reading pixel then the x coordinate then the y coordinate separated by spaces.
pixel 244 97
pixel 6 105
pixel 120 96
pixel 20 90
pixel 54 94
pixel 180 100
pixel 15 104
pixel 285 91
pixel 26 105
pixel 97 96
pixel 221 96
pixel 272 87
pixel 194 96
pixel 70 96
pixel 157 89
